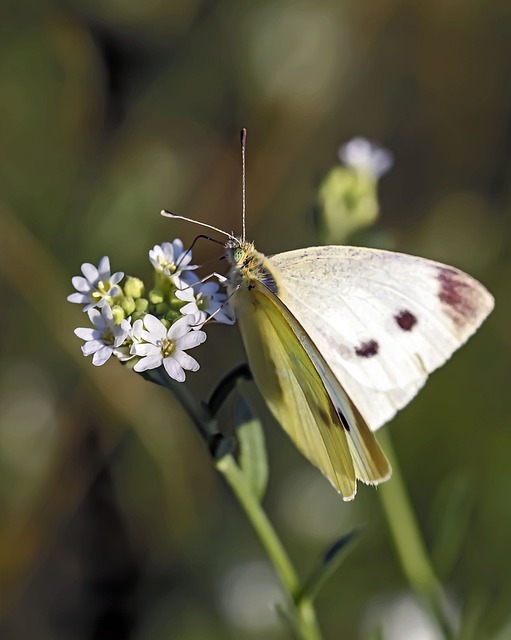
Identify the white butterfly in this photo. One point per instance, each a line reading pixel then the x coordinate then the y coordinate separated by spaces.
pixel 340 338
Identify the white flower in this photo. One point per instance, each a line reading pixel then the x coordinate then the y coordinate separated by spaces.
pixel 97 287
pixel 366 156
pixel 170 259
pixel 158 345
pixel 106 338
pixel 191 308
pixel 204 300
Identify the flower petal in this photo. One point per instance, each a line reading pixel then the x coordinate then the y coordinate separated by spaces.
pixel 185 361
pixel 209 288
pixel 188 277
pixel 80 284
pixel 174 370
pixel 223 317
pixel 177 246
pixel 146 349
pixel 191 340
pixel 101 356
pixel 189 307
pixel 185 293
pixel 79 298
pixel 123 353
pixel 180 328
pixel 92 346
pixel 364 155
pixel 155 326
pixel 167 251
pixel 150 362
pixel 91 305
pixel 104 268
pixel 117 277
pixel 87 333
pixel 90 272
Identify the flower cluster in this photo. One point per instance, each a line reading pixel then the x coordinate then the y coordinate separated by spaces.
pixel 150 330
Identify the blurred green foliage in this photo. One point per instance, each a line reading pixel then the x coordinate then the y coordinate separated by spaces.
pixel 113 523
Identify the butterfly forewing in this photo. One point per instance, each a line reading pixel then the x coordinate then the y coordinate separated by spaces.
pixel 382 320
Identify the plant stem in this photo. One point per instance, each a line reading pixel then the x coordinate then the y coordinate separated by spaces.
pixel 303 616
pixel 409 544
pixel 304 613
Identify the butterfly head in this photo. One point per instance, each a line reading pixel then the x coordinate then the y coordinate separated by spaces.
pixel 240 254
pixel 248 265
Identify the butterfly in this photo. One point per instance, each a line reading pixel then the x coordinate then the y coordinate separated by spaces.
pixel 340 338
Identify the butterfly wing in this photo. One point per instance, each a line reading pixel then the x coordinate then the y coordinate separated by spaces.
pixel 294 380
pixel 382 320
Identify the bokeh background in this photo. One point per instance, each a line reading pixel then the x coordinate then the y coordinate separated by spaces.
pixel 113 522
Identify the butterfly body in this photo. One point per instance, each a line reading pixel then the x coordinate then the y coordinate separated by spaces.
pixel 340 338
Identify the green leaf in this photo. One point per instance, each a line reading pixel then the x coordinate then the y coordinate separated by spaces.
pixel 332 560
pixel 452 511
pixel 253 458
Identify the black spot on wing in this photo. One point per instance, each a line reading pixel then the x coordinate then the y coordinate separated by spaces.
pixel 367 349
pixel 406 320
pixel 336 416
pixel 343 420
pixel 456 295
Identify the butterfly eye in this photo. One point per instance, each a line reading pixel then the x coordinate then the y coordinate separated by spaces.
pixel 238 254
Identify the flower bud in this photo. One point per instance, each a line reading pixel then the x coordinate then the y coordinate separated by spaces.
pixel 118 314
pixel 141 305
pixel 134 287
pixel 156 296
pixel 128 305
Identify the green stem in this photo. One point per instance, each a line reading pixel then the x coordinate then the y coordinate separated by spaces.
pixel 408 541
pixel 221 448
pixel 305 616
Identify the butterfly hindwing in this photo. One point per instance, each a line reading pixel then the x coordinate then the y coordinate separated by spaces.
pixel 371 465
pixel 290 373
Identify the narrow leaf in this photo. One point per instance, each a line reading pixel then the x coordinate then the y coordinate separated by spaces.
pixel 253 458
pixel 331 561
pixel 452 512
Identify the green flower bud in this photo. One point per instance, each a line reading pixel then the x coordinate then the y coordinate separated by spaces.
pixel 161 309
pixel 134 287
pixel 171 316
pixel 347 203
pixel 176 304
pixel 141 305
pixel 156 296
pixel 128 305
pixel 118 314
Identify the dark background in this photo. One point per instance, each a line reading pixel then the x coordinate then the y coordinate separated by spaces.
pixel 113 523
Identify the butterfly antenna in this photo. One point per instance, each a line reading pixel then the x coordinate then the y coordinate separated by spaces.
pixel 169 214
pixel 243 180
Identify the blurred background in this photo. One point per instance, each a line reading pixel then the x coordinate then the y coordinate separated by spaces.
pixel 113 522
